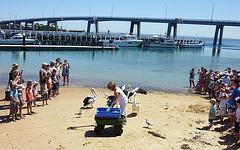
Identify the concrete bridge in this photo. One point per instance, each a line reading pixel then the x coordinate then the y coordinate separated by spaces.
pixel 172 23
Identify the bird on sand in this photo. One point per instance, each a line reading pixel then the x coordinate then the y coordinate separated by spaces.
pixel 148 123
pixel 79 113
pixel 167 105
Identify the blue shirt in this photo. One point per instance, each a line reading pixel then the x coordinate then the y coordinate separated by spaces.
pixel 213 110
pixel 235 94
pixel 14 94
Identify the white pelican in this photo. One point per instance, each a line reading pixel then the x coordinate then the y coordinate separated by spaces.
pixel 90 100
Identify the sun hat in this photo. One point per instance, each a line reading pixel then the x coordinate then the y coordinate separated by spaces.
pixel 45 64
pixel 15 65
pixel 35 83
pixel 212 100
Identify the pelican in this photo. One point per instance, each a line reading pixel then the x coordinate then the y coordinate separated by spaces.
pixel 148 123
pixel 135 105
pixel 90 100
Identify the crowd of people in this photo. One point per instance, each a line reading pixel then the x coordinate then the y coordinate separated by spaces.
pixel 50 76
pixel 223 89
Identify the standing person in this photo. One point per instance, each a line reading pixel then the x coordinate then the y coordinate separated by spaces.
pixel 29 97
pixel 14 71
pixel 49 85
pixel 212 112
pixel 14 101
pixel 232 102
pixel 35 93
pixel 54 82
pixel 237 119
pixel 58 66
pixel 65 72
pixel 222 105
pixel 44 91
pixel 21 100
pixel 120 97
pixel 191 78
pixel 42 74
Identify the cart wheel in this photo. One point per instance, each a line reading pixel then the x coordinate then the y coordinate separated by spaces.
pixel 118 131
pixel 98 130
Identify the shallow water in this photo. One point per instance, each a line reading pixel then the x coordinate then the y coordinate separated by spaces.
pixel 149 68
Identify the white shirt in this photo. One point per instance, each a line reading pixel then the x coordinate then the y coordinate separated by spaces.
pixel 238 114
pixel 226 80
pixel 223 102
pixel 122 98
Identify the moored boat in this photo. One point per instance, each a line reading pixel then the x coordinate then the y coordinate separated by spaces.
pixel 161 42
pixel 124 41
pixel 190 43
pixel 16 39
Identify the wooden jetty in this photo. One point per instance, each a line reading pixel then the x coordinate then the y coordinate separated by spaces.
pixel 54 48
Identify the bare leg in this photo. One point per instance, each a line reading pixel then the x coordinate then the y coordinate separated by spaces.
pixel 64 76
pixel 68 80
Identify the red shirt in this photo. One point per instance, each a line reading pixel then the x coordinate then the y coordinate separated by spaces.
pixel 29 94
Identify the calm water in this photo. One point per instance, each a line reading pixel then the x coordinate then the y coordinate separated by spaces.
pixel 150 68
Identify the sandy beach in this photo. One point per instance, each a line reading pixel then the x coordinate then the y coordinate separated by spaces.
pixel 178 127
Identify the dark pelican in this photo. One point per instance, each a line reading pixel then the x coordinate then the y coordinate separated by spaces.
pixel 90 100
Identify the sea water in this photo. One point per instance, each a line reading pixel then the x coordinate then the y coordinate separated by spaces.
pixel 150 68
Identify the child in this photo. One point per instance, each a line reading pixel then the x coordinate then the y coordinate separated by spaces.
pixel 21 100
pixel 237 118
pixel 35 93
pixel 222 105
pixel 54 82
pixel 212 112
pixel 29 97
pixel 120 97
pixel 14 101
pixel 49 85
pixel 44 92
pixel 65 72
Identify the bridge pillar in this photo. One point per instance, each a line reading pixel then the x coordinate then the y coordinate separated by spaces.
pixel 221 35
pixel 218 27
pixel 96 27
pixel 13 27
pixel 138 28
pixel 89 26
pixel 170 25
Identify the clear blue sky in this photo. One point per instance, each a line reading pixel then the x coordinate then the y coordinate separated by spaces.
pixel 189 9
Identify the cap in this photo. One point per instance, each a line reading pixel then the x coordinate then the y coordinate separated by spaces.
pixel 15 65
pixel 237 99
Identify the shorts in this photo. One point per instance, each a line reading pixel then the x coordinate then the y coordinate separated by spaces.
pixel 21 104
pixel 236 128
pixel 54 87
pixel 14 108
pixel 191 79
pixel 29 103
pixel 44 96
pixel 231 110
pixel 222 111
pixel 210 120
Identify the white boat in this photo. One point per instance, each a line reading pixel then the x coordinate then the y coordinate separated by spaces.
pixel 161 42
pixel 16 39
pixel 124 41
pixel 190 43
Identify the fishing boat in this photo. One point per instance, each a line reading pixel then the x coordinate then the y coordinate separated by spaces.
pixel 123 41
pixel 190 43
pixel 161 42
pixel 16 39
